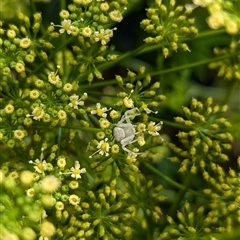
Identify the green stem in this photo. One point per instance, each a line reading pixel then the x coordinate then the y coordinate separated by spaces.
pixel 180 195
pixel 195 64
pixel 88 129
pixel 148 48
pixel 229 92
pixel 172 182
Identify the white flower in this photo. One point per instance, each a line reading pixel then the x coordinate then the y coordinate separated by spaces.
pixel 103 148
pixel 153 128
pixel 75 101
pixel 37 113
pixel 67 26
pixel 101 112
pixel 40 166
pixel 103 36
pixel 76 171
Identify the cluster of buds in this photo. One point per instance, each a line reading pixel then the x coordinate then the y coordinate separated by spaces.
pixel 229 68
pixel 205 139
pixel 100 211
pixel 168 24
pixel 88 22
pixel 224 195
pixel 191 224
pixel 222 14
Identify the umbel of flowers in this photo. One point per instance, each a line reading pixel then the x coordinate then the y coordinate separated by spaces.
pixel 82 143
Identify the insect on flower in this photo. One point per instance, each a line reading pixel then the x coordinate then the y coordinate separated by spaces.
pixel 125 131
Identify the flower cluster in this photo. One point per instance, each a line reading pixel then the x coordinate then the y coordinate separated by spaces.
pixel 205 139
pixel 169 24
pixel 228 69
pixel 88 22
pixel 195 224
pixel 222 14
pixel 121 135
pixel 83 159
pixel 223 193
pixel 37 193
pixel 20 47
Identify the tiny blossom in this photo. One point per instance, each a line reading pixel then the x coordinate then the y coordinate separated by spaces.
pixel 116 16
pixel 75 101
pixel 101 112
pixel 37 113
pixel 103 36
pixel 64 14
pixel 30 192
pixel 115 149
pixel 9 109
pixel 86 32
pixel 11 33
pixel 53 78
pixel 114 114
pixel 18 134
pixel 67 26
pixel 47 230
pixel 62 115
pixel 25 42
pixel 13 175
pixel 141 127
pixel 61 162
pixel 73 184
pixel 104 6
pixel 68 87
pixel 141 141
pixel 103 148
pixel 19 67
pixel 153 128
pixel 50 183
pixel 146 109
pixel 34 94
pixel 76 171
pixel 59 206
pixel 40 165
pixel 104 123
pixel 128 102
pixel 74 199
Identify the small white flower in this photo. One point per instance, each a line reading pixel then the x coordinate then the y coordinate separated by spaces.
pixel 103 148
pixel 76 170
pixel 103 36
pixel 40 166
pixel 37 113
pixel 67 26
pixel 75 101
pixel 153 128
pixel 101 112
